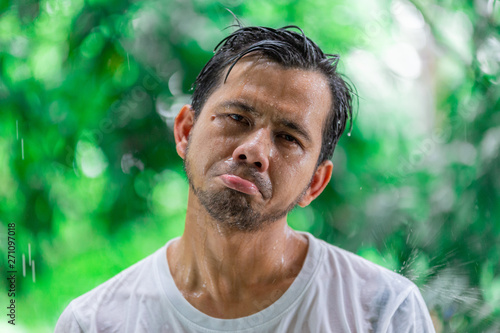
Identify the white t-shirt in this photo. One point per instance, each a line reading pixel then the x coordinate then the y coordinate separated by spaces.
pixel 336 291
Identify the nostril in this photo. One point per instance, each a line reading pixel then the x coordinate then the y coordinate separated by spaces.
pixel 242 157
pixel 258 164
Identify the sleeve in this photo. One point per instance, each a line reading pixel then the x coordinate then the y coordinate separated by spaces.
pixel 67 322
pixel 412 316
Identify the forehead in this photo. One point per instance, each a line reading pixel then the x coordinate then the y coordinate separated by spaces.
pixel 290 93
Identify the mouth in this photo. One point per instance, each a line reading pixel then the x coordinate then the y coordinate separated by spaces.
pixel 239 184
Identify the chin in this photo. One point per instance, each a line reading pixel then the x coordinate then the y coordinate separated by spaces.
pixel 231 209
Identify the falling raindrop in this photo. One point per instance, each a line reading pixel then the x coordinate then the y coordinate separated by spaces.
pixel 33 270
pixel 17 130
pixel 24 265
pixel 128 61
pixel 22 148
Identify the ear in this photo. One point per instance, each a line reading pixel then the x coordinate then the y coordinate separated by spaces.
pixel 319 181
pixel 182 127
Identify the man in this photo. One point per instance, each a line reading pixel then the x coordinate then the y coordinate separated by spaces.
pixel 267 112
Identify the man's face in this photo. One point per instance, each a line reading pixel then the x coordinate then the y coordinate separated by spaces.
pixel 253 150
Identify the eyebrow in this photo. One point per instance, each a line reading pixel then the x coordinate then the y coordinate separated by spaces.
pixel 296 128
pixel 240 106
pixel 282 121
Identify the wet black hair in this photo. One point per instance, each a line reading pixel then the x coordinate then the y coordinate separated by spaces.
pixel 291 50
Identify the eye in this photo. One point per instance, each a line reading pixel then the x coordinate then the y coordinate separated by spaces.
pixel 288 138
pixel 238 118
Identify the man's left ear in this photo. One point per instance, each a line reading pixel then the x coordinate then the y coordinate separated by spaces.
pixel 318 183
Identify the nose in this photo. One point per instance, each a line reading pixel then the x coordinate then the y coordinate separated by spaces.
pixel 255 149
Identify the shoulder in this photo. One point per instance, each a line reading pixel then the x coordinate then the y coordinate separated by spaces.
pixel 68 323
pixel 107 301
pixel 355 271
pixel 369 293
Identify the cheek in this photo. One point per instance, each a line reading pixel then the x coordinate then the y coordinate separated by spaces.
pixel 292 162
pixel 208 150
pixel 292 175
pixel 288 157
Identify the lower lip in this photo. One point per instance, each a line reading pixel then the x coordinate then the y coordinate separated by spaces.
pixel 239 184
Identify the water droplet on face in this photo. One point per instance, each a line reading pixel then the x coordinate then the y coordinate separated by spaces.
pixel 219 230
pixel 349 134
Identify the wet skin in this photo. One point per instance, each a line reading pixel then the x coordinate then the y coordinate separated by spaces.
pixel 257 139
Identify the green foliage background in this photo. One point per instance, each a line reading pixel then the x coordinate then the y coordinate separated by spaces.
pixel 90 176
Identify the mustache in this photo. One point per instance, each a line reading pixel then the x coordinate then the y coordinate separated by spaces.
pixel 251 174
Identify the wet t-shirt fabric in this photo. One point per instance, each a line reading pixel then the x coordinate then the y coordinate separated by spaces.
pixel 335 291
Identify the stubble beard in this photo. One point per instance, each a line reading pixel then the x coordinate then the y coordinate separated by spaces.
pixel 232 210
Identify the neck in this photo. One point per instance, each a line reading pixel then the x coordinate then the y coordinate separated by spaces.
pixel 227 266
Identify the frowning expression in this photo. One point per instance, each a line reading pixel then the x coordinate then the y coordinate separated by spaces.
pixel 253 149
